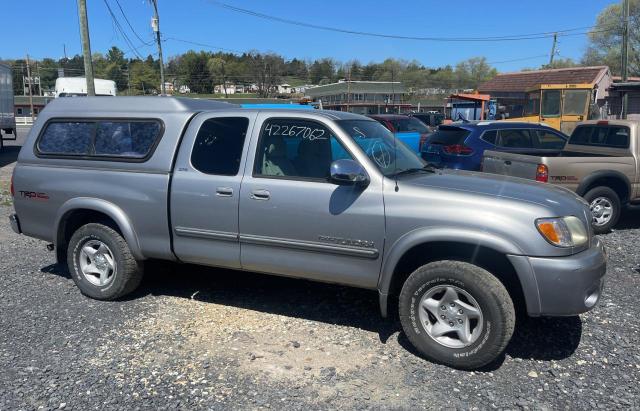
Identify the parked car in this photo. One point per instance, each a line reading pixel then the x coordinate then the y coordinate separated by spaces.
pixel 409 130
pixel 431 119
pixel 461 145
pixel 320 195
pixel 601 162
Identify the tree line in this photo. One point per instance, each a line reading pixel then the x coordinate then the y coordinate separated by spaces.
pixel 201 71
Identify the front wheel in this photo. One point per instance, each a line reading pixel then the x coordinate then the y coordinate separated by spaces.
pixel 605 208
pixel 101 263
pixel 457 314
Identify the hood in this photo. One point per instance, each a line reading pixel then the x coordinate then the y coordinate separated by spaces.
pixel 560 200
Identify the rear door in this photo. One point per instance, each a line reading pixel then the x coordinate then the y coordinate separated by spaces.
pixel 205 189
pixel 432 150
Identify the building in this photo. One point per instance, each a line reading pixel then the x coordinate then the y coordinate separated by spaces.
pixel 614 101
pixel 509 89
pixel 23 107
pixel 362 97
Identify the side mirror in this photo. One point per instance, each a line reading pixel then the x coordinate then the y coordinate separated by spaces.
pixel 348 172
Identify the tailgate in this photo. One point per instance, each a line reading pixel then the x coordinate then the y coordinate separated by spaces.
pixel 510 164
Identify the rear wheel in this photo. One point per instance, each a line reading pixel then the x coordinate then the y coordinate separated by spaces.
pixel 457 314
pixel 101 262
pixel 605 208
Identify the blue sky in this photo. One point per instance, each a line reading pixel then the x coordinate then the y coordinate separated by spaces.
pixel 42 28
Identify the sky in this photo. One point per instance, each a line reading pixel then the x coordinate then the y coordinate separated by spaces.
pixel 46 27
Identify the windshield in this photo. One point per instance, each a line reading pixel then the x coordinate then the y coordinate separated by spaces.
pixel 388 153
pixel 408 124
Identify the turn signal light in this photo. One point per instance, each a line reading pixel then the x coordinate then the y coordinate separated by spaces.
pixel 542 173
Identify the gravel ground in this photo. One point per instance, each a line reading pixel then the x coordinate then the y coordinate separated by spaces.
pixel 194 338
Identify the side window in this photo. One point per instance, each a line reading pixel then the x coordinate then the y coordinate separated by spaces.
pixel 66 137
pixel 297 149
pixel 551 103
pixel 490 136
pixel 218 146
pixel 132 139
pixel 547 140
pixel 517 138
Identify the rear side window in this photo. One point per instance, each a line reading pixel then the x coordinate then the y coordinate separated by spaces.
pixel 490 136
pixel 604 136
pixel 546 139
pixel 218 146
pixel 66 138
pixel 448 136
pixel 132 139
pixel 114 139
pixel 517 138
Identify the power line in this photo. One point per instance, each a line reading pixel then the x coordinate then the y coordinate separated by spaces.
pixel 519 59
pixel 195 43
pixel 130 26
pixel 121 30
pixel 530 36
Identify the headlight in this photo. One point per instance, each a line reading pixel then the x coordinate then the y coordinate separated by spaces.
pixel 563 231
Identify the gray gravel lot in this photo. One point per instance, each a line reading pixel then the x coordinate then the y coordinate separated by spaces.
pixel 196 338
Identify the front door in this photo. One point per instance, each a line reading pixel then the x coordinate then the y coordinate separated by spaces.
pixel 294 222
pixel 205 189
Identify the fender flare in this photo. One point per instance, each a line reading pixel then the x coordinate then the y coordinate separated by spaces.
pixel 457 235
pixel 105 207
pixel 589 180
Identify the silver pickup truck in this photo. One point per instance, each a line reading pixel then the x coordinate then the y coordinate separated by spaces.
pixel 600 162
pixel 322 195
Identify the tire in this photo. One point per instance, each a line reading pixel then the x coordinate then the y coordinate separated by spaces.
pixel 490 332
pixel 122 273
pixel 603 196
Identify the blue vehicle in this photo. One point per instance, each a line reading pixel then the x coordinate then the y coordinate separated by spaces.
pixel 461 145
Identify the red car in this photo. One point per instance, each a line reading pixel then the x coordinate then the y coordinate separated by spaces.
pixel 409 130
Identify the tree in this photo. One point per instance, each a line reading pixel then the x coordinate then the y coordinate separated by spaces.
pixel 217 68
pixel 605 40
pixel 560 63
pixel 472 72
pixel 265 70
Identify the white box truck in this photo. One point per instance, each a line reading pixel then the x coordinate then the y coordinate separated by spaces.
pixel 77 86
pixel 7 116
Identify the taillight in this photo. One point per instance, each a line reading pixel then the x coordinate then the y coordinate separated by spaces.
pixel 423 139
pixel 542 173
pixel 13 191
pixel 458 149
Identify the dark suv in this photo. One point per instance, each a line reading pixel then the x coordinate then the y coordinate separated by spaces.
pixel 461 145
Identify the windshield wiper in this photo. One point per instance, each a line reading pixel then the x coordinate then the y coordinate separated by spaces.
pixel 429 168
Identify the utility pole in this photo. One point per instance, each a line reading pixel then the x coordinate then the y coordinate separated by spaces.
pixel 30 91
pixel 625 56
pixel 348 88
pixel 553 48
pixel 155 24
pixel 86 47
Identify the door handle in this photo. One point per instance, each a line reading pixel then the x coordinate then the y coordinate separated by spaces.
pixel 260 195
pixel 224 192
pixel 508 162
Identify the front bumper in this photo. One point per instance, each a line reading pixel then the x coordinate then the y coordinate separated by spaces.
pixel 565 285
pixel 15 223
